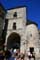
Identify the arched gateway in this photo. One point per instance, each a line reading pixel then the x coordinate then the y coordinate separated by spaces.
pixel 13 41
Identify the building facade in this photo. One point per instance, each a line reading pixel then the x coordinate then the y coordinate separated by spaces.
pixel 20 33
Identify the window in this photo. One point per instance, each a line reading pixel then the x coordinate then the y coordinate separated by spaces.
pixel 14 26
pixel 31 35
pixel 15 14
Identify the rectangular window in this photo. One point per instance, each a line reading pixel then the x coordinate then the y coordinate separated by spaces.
pixel 14 26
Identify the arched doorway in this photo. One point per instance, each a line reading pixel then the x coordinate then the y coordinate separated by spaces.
pixel 13 41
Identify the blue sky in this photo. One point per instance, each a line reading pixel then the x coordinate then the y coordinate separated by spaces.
pixel 33 8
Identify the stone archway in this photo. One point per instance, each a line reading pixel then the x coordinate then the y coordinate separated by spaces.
pixel 13 41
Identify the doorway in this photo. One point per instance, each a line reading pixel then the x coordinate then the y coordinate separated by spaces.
pixel 31 49
pixel 13 41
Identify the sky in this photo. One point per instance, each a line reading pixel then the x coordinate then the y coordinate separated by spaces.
pixel 33 8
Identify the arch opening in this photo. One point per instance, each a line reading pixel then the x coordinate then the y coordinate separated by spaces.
pixel 13 41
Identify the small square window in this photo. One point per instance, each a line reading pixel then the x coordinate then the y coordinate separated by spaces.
pixel 14 26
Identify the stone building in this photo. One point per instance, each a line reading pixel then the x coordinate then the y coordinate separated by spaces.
pixel 20 32
pixel 2 20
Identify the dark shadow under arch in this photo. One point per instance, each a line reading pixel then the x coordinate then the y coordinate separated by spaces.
pixel 13 41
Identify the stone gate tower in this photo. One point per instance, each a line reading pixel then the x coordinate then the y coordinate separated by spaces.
pixel 16 27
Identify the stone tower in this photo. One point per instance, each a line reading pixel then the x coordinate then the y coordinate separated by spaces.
pixel 16 27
